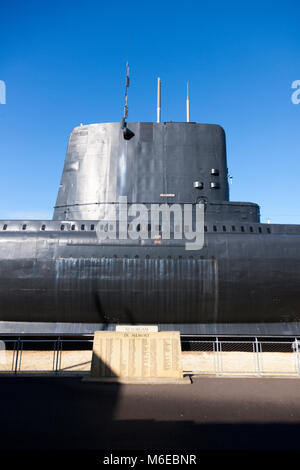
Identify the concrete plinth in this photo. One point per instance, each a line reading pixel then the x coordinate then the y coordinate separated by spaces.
pixel 139 381
pixel 136 355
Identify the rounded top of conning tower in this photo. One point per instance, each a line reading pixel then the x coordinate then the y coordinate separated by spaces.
pixel 173 162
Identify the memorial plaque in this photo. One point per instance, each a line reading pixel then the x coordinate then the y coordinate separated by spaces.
pixel 137 328
pixel 136 355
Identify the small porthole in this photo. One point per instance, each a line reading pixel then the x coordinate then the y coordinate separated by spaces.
pixel 259 229
pixel 62 227
pixel 233 228
pixel 24 227
pixel 82 227
pixel 73 227
pixel 4 226
pixel 92 227
pixel 224 228
pixel 43 227
pixel 268 230
pixel 251 229
pixel 215 228
pixel 242 229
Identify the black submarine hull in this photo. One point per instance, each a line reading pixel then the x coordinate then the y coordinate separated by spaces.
pixel 58 276
pixel 236 279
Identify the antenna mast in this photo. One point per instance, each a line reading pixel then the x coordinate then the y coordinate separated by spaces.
pixel 127 133
pixel 126 89
pixel 187 103
pixel 158 99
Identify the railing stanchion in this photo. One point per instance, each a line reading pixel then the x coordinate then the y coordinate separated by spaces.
pixel 297 355
pixel 17 355
pixel 57 355
pixel 218 357
pixel 257 357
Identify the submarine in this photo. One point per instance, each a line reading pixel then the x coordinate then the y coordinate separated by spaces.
pixel 60 276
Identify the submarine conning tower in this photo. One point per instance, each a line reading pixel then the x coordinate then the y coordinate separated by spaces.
pixel 165 162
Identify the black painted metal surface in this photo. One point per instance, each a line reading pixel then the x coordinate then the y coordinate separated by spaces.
pixel 59 271
pixel 162 158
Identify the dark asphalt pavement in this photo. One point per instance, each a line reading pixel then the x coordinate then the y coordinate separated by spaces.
pixel 212 413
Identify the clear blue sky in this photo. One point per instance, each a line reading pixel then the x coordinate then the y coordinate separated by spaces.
pixel 63 63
